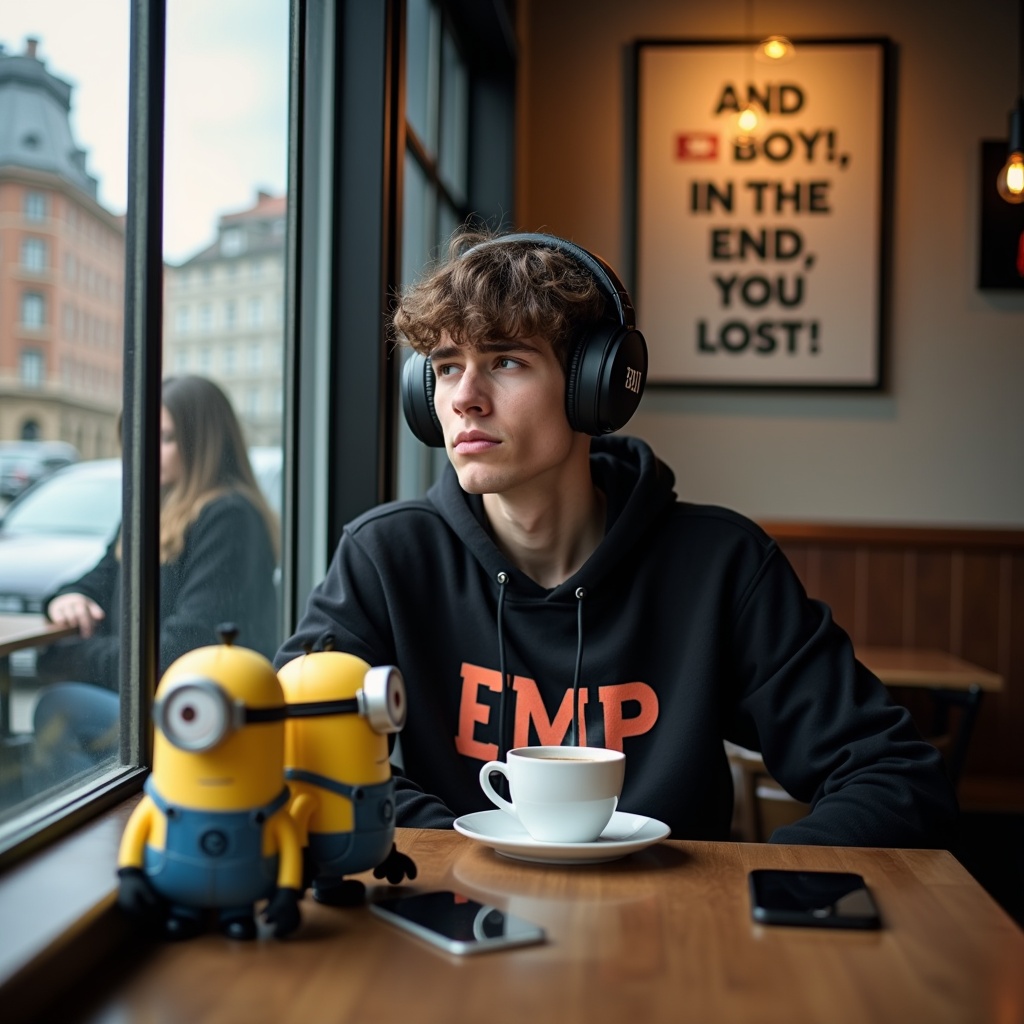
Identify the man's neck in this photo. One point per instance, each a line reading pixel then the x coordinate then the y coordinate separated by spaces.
pixel 548 532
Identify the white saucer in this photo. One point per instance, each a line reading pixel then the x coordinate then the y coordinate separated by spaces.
pixel 626 833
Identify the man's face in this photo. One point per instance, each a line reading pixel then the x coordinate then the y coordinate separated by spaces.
pixel 502 409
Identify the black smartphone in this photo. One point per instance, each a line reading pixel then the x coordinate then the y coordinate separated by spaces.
pixel 817 899
pixel 457 923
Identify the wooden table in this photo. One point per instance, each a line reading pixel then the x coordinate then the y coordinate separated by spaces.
pixel 950 682
pixel 664 935
pixel 16 633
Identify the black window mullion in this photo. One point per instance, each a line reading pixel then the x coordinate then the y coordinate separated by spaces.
pixel 140 523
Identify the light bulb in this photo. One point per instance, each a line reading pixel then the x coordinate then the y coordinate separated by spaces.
pixel 747 121
pixel 775 50
pixel 1010 183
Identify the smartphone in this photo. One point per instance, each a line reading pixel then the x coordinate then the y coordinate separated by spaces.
pixel 817 899
pixel 457 923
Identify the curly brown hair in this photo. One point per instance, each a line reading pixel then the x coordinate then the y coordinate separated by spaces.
pixel 480 292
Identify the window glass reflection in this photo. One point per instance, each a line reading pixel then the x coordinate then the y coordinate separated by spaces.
pixel 221 456
pixel 62 177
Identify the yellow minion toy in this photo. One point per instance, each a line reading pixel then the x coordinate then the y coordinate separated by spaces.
pixel 213 833
pixel 340 713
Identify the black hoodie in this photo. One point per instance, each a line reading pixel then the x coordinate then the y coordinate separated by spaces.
pixel 694 629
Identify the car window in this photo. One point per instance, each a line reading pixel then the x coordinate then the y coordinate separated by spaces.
pixel 89 505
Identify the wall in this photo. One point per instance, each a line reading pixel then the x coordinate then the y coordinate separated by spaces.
pixel 942 445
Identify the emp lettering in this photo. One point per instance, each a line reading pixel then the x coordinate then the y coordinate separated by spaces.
pixel 626 709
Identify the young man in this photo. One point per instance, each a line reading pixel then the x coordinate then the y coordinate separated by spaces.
pixel 546 561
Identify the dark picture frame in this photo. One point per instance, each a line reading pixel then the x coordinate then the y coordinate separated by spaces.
pixel 763 262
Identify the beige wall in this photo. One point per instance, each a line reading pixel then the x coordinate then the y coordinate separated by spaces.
pixel 943 444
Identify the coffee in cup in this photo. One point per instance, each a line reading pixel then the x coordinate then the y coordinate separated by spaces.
pixel 559 794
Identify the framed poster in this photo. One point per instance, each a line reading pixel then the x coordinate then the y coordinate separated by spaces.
pixel 760 255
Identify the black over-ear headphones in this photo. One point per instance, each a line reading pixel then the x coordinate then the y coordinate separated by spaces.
pixel 607 369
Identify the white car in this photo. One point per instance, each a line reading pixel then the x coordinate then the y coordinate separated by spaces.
pixel 57 530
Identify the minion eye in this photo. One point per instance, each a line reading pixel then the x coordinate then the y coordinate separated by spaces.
pixel 195 717
pixel 382 699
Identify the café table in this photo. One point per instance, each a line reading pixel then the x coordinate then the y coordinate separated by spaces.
pixel 662 935
pixel 18 632
pixel 949 680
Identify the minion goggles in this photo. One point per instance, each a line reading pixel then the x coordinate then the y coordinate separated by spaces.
pixel 196 714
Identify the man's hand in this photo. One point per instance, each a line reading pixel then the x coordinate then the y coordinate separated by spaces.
pixel 75 610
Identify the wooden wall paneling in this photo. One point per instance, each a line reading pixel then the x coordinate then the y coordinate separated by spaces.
pixel 882 596
pixel 932 596
pixel 955 589
pixel 837 587
pixel 979 607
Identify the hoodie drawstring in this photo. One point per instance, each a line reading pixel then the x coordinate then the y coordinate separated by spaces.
pixel 581 593
pixel 503 579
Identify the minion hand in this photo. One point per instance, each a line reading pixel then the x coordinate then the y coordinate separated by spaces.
pixel 395 866
pixel 283 911
pixel 135 895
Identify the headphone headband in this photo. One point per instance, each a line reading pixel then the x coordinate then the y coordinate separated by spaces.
pixel 599 270
pixel 607 368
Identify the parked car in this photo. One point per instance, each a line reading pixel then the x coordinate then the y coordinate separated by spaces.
pixel 23 463
pixel 56 530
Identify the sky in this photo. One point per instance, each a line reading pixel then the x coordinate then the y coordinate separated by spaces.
pixel 227 100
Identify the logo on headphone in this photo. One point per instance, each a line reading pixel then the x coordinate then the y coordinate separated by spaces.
pixel 633 380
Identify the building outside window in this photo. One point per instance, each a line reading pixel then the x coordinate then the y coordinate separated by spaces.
pixel 30 368
pixel 37 206
pixel 35 254
pixel 33 310
pixel 181 320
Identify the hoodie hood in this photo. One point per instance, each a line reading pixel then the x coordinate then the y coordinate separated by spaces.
pixel 638 488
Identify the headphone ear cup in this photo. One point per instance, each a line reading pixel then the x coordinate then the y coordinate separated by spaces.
pixel 606 379
pixel 418 400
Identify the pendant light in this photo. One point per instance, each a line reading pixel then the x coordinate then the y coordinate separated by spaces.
pixel 748 120
pixel 775 50
pixel 1010 183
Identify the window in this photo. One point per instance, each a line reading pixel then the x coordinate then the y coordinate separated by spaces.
pixel 37 206
pixel 35 254
pixel 181 320
pixel 33 310
pixel 232 241
pixel 255 312
pixel 30 368
pixel 334 486
pixel 230 314
pixel 436 179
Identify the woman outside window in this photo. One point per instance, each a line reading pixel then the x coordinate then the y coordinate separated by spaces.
pixel 218 553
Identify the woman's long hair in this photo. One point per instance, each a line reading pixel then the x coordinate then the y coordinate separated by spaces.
pixel 214 461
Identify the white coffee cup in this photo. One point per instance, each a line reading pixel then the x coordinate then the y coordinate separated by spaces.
pixel 559 794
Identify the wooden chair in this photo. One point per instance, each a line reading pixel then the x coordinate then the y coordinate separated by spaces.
pixel 761 805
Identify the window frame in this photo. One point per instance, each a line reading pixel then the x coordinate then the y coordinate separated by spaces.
pixel 346 150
